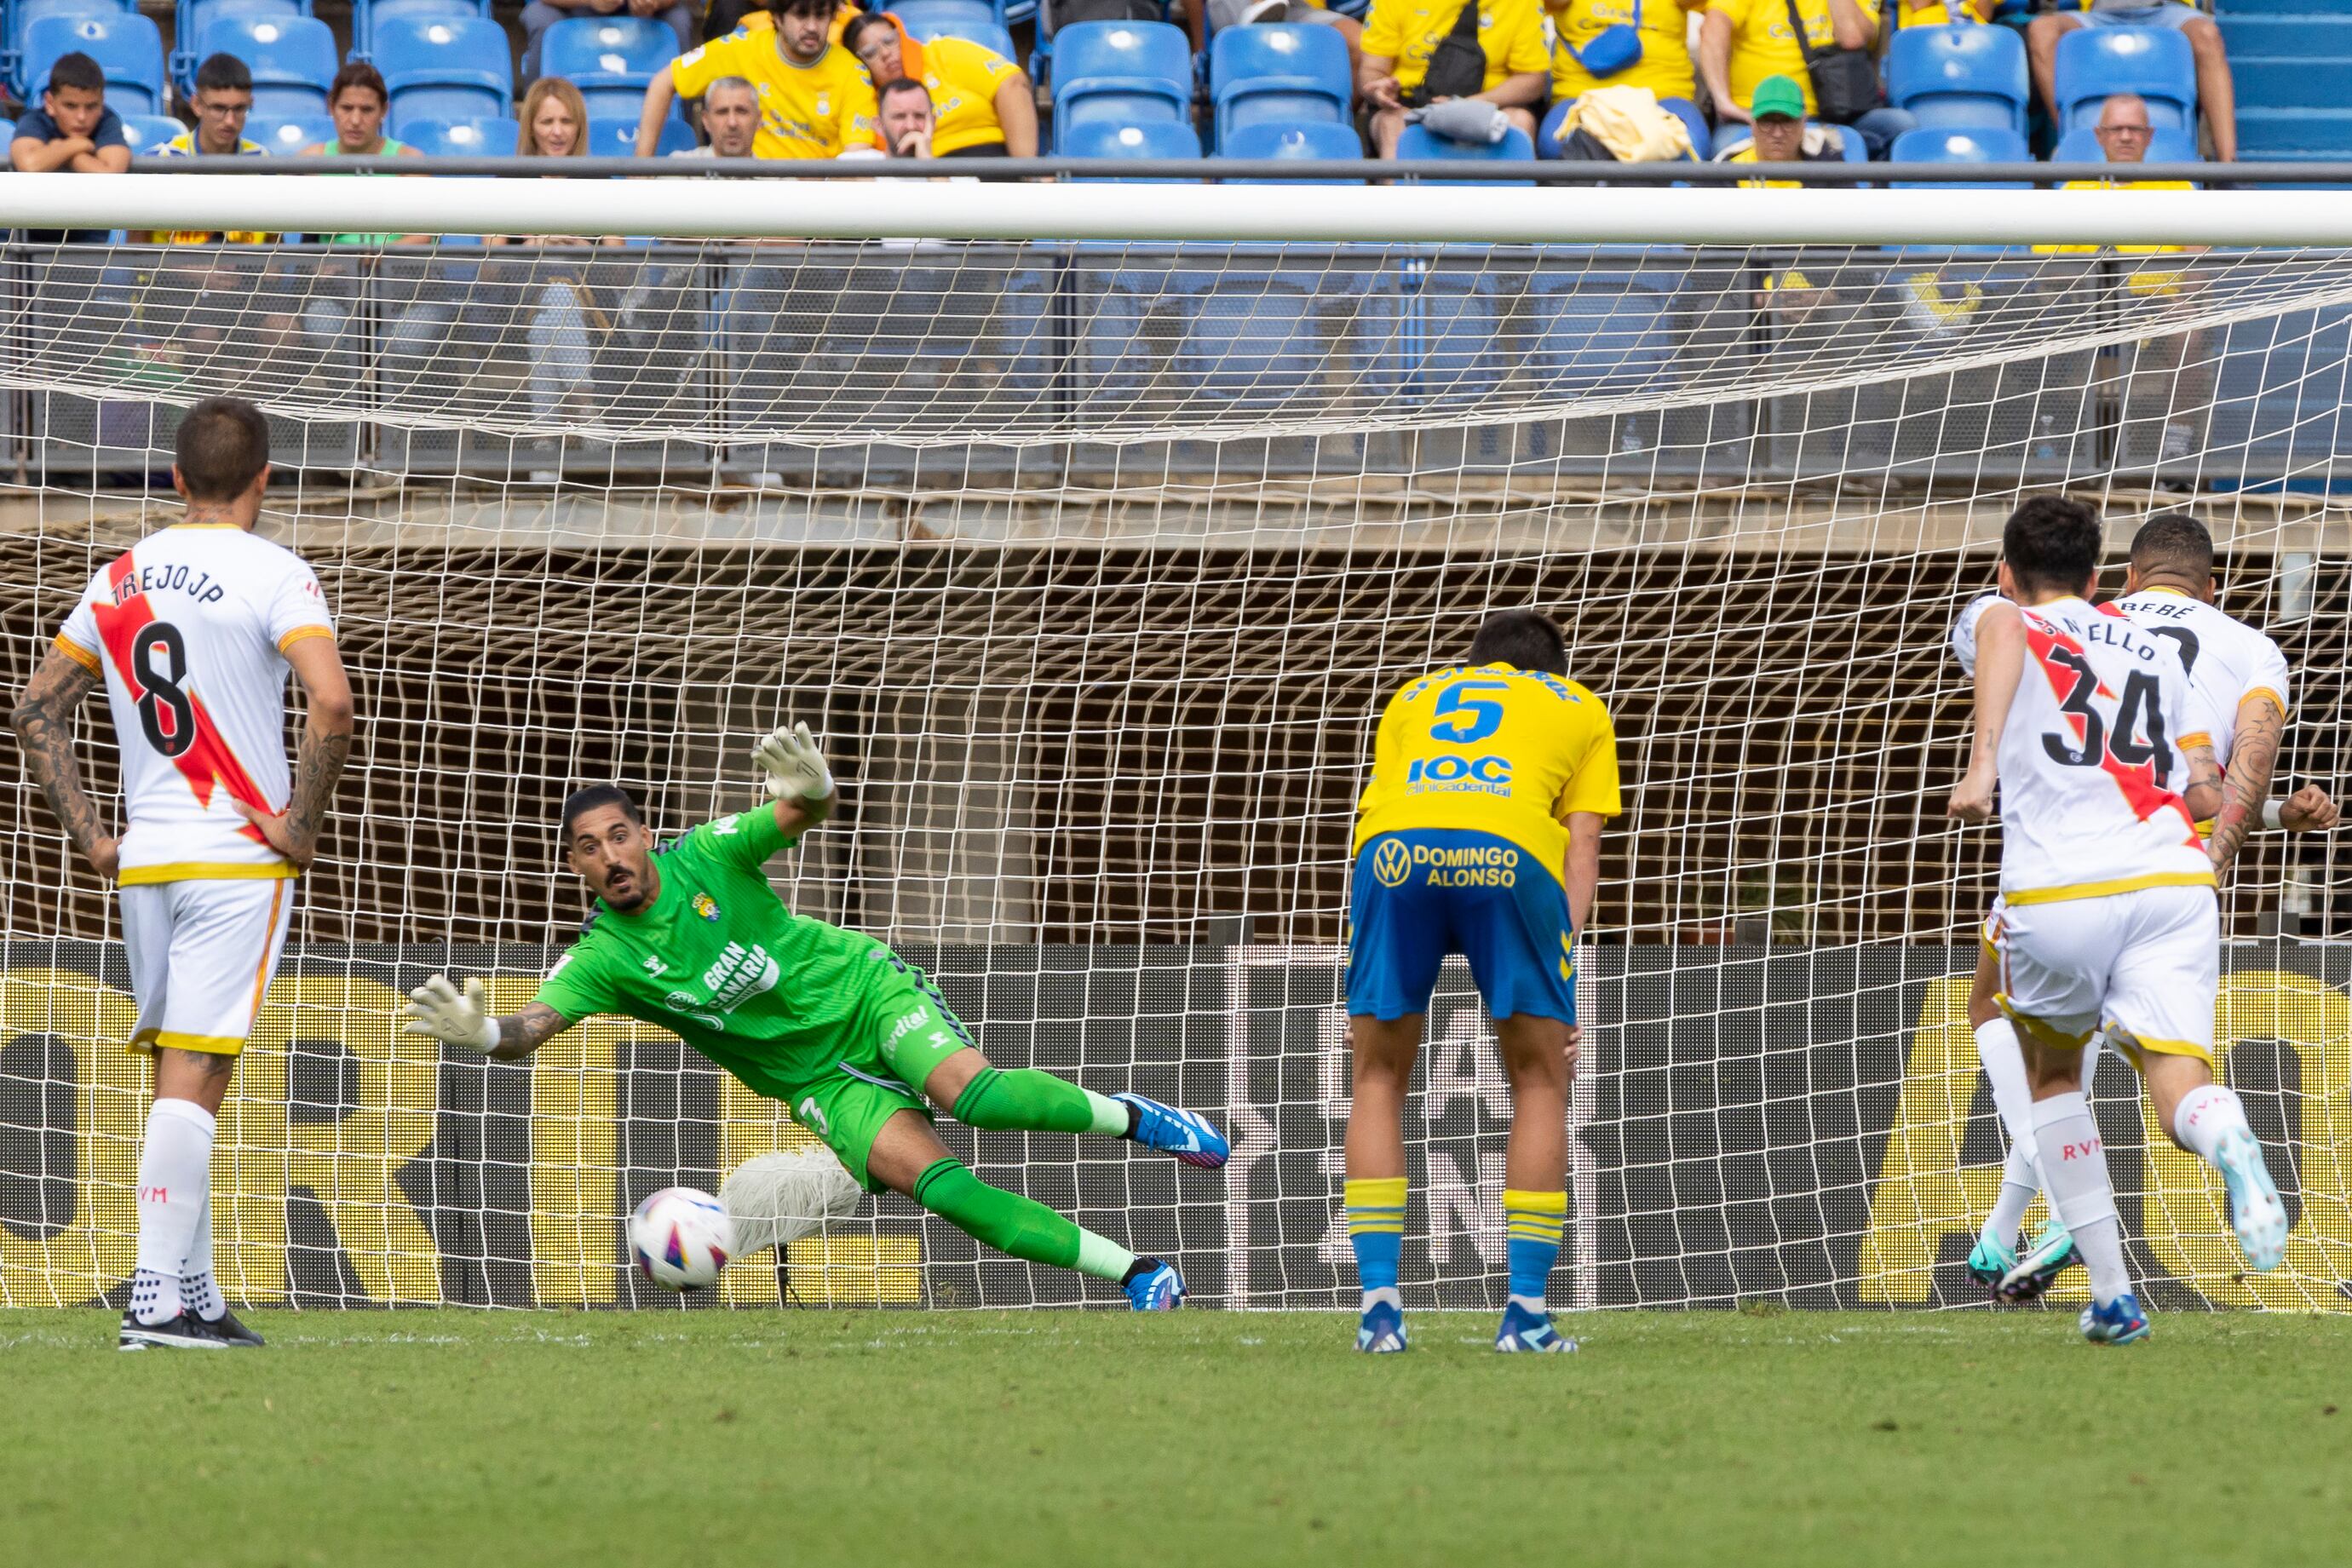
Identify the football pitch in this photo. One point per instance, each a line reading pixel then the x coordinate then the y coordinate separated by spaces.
pixel 1196 1437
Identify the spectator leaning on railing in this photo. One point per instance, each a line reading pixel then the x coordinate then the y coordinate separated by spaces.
pixel 2217 93
pixel 982 105
pixel 1622 43
pixel 224 97
pixel 72 131
pixel 1741 42
pixel 910 121
pixel 730 118
pixel 814 98
pixel 1421 52
pixel 357 100
pixel 538 16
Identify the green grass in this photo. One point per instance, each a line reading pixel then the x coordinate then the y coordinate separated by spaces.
pixel 965 1438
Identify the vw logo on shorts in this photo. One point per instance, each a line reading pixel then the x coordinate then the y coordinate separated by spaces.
pixel 1392 863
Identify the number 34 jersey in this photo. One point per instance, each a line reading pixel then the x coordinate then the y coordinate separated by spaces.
pixel 189 629
pixel 2091 766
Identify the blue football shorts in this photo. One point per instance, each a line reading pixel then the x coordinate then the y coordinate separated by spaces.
pixel 1423 894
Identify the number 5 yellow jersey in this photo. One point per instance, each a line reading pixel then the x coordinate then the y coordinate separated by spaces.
pixel 1491 750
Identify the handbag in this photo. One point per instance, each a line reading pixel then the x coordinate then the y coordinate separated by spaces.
pixel 1615 47
pixel 1457 66
pixel 1845 81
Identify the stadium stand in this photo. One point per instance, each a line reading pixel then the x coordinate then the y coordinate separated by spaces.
pixel 1312 142
pixel 146 133
pixel 2094 63
pixel 292 59
pixel 1148 138
pixel 926 18
pixel 618 138
pixel 367 13
pixel 987 35
pixel 2291 61
pixel 287 135
pixel 190 17
pixel 1516 147
pixel 1962 76
pixel 1119 74
pixel 443 68
pixel 1281 74
pixel 126 46
pixel 609 59
pixel 493 137
pixel 22 14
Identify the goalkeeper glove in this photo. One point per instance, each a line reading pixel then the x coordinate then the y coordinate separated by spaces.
pixel 793 767
pixel 438 1009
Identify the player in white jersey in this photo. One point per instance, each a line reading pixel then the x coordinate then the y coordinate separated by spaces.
pixel 2244 679
pixel 192 631
pixel 2107 917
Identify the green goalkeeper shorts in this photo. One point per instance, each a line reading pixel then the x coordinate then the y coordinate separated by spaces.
pixel 902 1030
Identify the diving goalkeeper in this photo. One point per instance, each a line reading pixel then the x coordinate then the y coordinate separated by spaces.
pixel 690 936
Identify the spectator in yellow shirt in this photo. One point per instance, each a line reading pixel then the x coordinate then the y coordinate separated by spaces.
pixel 982 105
pixel 1400 35
pixel 1744 41
pixel 1665 66
pixel 814 98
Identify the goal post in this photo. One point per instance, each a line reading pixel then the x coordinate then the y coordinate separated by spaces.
pixel 1090 524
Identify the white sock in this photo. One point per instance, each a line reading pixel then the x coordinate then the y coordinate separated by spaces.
pixel 2004 1068
pixel 175 1168
pixel 1112 1116
pixel 1387 1294
pixel 2084 1199
pixel 198 1292
pixel 2204 1117
pixel 2019 1180
pixel 1102 1257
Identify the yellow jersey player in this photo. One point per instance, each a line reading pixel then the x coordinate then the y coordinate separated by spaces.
pixel 1479 834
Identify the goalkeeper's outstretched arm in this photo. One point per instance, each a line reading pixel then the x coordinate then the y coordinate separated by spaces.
pixel 460 1017
pixel 794 771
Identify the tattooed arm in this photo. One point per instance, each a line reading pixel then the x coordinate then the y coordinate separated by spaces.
pixel 319 759
pixel 43 720
pixel 2253 754
pixel 461 1016
pixel 521 1033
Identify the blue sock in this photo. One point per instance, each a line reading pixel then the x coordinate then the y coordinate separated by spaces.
pixel 1376 1230
pixel 1533 1222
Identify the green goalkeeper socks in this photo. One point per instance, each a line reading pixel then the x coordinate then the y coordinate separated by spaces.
pixel 1014 1224
pixel 1025 1100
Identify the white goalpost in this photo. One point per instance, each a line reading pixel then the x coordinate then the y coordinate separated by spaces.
pixel 1090 524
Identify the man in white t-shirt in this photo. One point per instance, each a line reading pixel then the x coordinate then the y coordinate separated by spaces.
pixel 192 631
pixel 730 118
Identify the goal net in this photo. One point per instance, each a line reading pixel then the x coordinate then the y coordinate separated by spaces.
pixel 1092 558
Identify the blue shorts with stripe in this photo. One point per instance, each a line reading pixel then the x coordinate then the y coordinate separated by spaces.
pixel 1420 894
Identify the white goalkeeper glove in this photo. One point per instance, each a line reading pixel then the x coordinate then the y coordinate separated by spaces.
pixel 793 766
pixel 455 1017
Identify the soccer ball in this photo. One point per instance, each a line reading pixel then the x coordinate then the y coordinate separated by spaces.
pixel 681 1238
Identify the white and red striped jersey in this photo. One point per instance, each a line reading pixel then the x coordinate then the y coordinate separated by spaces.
pixel 190 628
pixel 2091 766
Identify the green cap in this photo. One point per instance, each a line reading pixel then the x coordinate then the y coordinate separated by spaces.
pixel 1777 94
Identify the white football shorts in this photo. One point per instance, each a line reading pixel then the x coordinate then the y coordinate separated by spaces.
pixel 2145 965
pixel 202 953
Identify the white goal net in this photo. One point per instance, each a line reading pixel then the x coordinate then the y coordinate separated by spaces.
pixel 1092 559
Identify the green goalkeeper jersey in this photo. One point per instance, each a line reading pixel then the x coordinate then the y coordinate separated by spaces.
pixel 719 960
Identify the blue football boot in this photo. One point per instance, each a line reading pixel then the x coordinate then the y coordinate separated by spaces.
pixel 2255 1211
pixel 2052 1254
pixel 1381 1332
pixel 1159 1288
pixel 1524 1330
pixel 1189 1137
pixel 2119 1321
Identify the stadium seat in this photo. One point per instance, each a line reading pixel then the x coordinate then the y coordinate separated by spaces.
pixel 290 134
pixel 1314 140
pixel 607 51
pixel 127 47
pixel 2166 145
pixel 1284 74
pixel 1947 144
pixel 988 34
pixel 190 17
pixel 292 59
pixel 366 14
pixel 1151 139
pixel 1963 77
pixel 22 14
pixel 493 137
pixel 1119 74
pixel 444 68
pixel 148 132
pixel 618 138
pixel 7 134
pixel 930 19
pixel 2155 62
pixel 1515 148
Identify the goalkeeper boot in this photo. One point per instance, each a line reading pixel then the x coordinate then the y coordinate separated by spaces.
pixel 1156 1287
pixel 186 1332
pixel 2255 1210
pixel 1525 1330
pixel 2052 1254
pixel 233 1334
pixel 2119 1321
pixel 1189 1137
pixel 1990 1262
pixel 1381 1332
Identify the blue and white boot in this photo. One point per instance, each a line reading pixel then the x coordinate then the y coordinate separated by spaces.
pixel 1524 1329
pixel 1189 1137
pixel 2119 1321
pixel 1381 1332
pixel 1159 1288
pixel 2255 1210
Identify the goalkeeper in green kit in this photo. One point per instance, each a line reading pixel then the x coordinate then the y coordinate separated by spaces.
pixel 690 936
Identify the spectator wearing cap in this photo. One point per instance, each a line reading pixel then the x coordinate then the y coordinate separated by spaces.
pixel 1403 38
pixel 982 105
pixel 679 18
pixel 1654 33
pixel 730 118
pixel 1777 115
pixel 2217 92
pixel 72 130
pixel 1741 42
pixel 224 97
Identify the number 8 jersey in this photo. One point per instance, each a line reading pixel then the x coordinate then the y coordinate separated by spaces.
pixel 2091 766
pixel 189 628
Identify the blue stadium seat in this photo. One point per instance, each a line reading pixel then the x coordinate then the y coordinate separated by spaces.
pixel 2155 62
pixel 1947 144
pixel 930 19
pixel 292 59
pixel 493 137
pixel 189 19
pixel 1286 74
pixel 148 132
pixel 127 47
pixel 1150 139
pixel 366 14
pixel 987 35
pixel 2166 145
pixel 444 68
pixel 1119 74
pixel 287 136
pixel 7 134
pixel 607 51
pixel 1514 148
pixel 22 14
pixel 618 138
pixel 1316 141
pixel 1962 76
